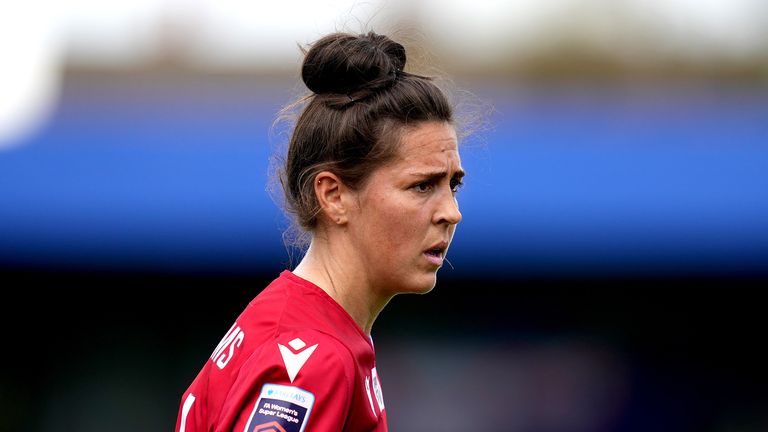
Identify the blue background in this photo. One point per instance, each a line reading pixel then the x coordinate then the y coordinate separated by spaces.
pixel 566 180
pixel 603 276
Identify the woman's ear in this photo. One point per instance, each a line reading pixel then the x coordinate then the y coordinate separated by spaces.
pixel 330 192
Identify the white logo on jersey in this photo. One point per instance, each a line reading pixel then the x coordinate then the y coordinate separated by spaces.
pixel 295 361
pixel 368 391
pixel 377 389
pixel 233 338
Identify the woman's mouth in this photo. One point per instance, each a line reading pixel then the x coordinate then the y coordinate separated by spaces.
pixel 435 255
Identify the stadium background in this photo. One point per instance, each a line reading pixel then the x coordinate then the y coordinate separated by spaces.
pixel 606 276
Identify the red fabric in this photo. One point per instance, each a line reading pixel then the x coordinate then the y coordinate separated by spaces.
pixel 339 372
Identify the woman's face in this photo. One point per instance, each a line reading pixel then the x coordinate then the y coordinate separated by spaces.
pixel 407 211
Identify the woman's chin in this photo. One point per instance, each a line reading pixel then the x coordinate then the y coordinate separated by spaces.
pixel 421 285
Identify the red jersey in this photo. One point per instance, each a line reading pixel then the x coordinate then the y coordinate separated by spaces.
pixel 293 361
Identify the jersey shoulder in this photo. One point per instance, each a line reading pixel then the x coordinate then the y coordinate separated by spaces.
pixel 304 355
pixel 304 377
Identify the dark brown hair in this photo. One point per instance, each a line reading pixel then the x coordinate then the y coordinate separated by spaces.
pixel 361 102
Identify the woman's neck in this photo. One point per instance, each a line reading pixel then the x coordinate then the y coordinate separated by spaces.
pixel 338 272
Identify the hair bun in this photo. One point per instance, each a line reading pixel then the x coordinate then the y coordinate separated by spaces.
pixel 343 64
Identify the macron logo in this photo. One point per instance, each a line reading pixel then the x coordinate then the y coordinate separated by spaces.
pixel 295 357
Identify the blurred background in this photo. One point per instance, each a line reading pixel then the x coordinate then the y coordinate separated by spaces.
pixel 606 275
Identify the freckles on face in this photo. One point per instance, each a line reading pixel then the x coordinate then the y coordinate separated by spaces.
pixel 408 206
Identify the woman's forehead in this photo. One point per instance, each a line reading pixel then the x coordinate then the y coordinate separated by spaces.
pixel 430 130
pixel 431 140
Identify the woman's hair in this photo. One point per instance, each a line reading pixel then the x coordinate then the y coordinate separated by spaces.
pixel 352 123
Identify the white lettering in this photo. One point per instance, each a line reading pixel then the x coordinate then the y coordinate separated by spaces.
pixel 225 340
pixel 238 340
pixel 284 409
pixel 267 412
pixel 287 418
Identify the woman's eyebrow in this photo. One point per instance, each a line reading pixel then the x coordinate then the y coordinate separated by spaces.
pixel 437 174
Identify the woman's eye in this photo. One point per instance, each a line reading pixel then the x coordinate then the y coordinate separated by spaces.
pixel 423 187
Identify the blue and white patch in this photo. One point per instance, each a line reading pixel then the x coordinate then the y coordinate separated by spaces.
pixel 280 409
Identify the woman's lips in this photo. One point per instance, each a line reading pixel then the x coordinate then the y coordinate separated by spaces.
pixel 434 257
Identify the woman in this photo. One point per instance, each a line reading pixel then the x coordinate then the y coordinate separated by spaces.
pixel 371 173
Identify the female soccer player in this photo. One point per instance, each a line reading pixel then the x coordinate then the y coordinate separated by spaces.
pixel 371 173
